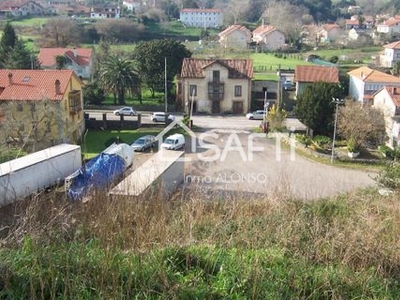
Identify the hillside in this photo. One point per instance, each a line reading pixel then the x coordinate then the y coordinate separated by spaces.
pixel 190 247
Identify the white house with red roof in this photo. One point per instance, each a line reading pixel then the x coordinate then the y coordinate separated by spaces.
pixel 387 99
pixel 365 82
pixel 21 8
pixel 81 60
pixel 41 106
pixel 329 32
pixel 201 17
pixel 268 37
pixel 235 36
pixel 390 26
pixel 391 55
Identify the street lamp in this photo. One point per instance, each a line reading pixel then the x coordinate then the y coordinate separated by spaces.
pixel 337 101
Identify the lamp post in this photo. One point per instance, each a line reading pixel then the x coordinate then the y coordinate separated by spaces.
pixel 337 101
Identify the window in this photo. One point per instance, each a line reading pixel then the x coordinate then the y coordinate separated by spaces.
pixel 193 90
pixel 215 76
pixel 238 90
pixel 20 107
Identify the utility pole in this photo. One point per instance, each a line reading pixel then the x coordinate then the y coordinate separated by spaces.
pixel 337 101
pixel 166 86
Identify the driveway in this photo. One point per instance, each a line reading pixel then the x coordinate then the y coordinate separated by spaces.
pixel 236 160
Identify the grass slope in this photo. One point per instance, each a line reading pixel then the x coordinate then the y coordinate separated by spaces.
pixel 275 248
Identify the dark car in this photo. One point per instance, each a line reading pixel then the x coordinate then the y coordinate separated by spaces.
pixel 143 143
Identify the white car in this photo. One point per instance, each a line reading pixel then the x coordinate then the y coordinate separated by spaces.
pixel 256 115
pixel 174 142
pixel 160 117
pixel 125 111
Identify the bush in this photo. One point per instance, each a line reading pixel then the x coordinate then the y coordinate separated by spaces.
pixel 389 153
pixel 322 141
pixel 304 139
pixel 389 177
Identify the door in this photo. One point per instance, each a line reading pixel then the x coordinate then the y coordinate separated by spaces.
pixel 215 107
pixel 237 107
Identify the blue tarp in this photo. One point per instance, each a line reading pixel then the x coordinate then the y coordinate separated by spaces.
pixel 97 173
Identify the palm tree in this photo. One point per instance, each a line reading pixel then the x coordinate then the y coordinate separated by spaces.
pixel 118 76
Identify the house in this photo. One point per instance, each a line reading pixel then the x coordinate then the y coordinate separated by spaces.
pixel 215 85
pixel 268 37
pixel 41 106
pixel 364 82
pixel 235 36
pixel 391 26
pixel 387 99
pixel 354 9
pixel 106 11
pixel 201 17
pixel 21 8
pixel 305 75
pixel 329 32
pixel 391 55
pixel 132 5
pixel 81 60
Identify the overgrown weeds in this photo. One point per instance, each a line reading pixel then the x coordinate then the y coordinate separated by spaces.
pixel 188 247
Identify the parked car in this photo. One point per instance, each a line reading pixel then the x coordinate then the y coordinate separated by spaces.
pixel 256 115
pixel 143 143
pixel 125 111
pixel 160 117
pixel 174 142
pixel 288 85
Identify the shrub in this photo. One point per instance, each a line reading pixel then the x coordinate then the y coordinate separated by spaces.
pixel 389 177
pixel 322 141
pixel 389 153
pixel 304 139
pixel 352 145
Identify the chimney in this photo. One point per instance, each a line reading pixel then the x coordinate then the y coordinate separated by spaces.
pixel 74 52
pixel 263 23
pixel 10 78
pixel 57 85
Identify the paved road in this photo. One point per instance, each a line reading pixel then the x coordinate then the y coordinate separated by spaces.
pixel 260 166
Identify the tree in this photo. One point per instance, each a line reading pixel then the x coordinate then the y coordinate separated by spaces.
pixel 361 123
pixel 122 30
pixel 7 42
pixel 287 18
pixel 93 93
pixel 396 69
pixel 315 108
pixel 118 76
pixel 61 61
pixel 9 37
pixel 60 32
pixel 20 58
pixel 150 60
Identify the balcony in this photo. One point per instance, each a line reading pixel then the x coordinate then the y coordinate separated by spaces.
pixel 216 91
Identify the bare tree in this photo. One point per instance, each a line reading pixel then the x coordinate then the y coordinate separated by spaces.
pixel 361 123
pixel 285 17
pixel 60 32
pixel 122 30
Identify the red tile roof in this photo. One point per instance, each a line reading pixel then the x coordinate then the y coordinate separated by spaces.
pixel 8 5
pixel 264 29
pixel 233 28
pixel 329 27
pixel 316 74
pixel 201 10
pixel 238 68
pixel 394 45
pixel 390 22
pixel 394 93
pixel 33 84
pixel 81 56
pixel 369 75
